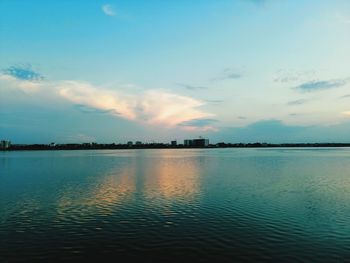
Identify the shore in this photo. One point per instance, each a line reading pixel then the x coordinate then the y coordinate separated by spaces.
pixel 113 146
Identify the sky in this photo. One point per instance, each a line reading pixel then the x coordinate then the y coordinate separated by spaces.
pixel 230 70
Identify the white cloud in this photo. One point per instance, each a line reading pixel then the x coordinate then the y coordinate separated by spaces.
pixel 155 106
pixel 24 85
pixel 161 107
pixel 108 10
pixel 86 94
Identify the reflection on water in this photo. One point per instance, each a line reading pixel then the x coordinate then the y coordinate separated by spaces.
pixel 172 179
pixel 172 205
pixel 165 179
pixel 106 193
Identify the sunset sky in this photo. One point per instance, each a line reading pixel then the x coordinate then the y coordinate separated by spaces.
pixel 227 70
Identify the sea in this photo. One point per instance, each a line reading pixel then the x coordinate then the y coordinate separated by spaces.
pixel 176 205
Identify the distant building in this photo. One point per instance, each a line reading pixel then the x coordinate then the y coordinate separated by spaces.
pixel 138 143
pixel 188 143
pixel 130 143
pixel 201 142
pixel 196 143
pixel 5 144
pixel 173 143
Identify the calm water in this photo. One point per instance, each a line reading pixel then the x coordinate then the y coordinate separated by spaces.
pixel 172 205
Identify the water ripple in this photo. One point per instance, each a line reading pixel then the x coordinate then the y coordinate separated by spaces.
pixel 160 205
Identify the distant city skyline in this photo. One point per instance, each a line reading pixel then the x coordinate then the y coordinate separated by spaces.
pixel 117 71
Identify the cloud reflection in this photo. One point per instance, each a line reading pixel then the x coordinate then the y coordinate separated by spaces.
pixel 173 179
pixel 166 179
pixel 106 194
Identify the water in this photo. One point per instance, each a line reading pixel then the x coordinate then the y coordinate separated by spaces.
pixel 172 205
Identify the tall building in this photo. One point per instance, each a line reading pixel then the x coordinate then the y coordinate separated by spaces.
pixel 201 142
pixel 188 143
pixel 173 143
pixel 5 144
pixel 196 143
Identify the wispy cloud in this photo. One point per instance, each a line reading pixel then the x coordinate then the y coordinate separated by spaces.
pixel 204 124
pixel 320 85
pixel 198 122
pixel 23 78
pixel 276 131
pixel 241 118
pixel 290 76
pixel 227 74
pixel 286 79
pixel 190 87
pixel 86 109
pixel 215 101
pixel 345 96
pixel 109 10
pixel 24 72
pixel 297 102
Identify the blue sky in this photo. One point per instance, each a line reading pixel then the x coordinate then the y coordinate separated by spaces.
pixel 235 70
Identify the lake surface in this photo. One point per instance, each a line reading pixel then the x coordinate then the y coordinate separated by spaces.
pixel 175 205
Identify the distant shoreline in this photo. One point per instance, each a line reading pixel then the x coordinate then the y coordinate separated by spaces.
pixel 60 147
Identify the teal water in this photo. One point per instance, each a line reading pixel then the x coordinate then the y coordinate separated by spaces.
pixel 287 205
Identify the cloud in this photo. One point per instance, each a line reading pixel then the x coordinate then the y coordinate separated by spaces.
pixel 227 74
pixel 155 106
pixel 262 131
pixel 23 85
pixel 87 109
pixel 296 102
pixel 289 76
pixel 233 76
pixel 190 87
pixel 22 77
pixel 241 117
pixel 345 96
pixel 108 10
pixel 23 73
pixel 86 94
pixel 215 101
pixel 203 124
pixel 320 85
pixel 286 79
pixel 161 107
pixel 198 122
pixel 347 113
pixel 275 131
